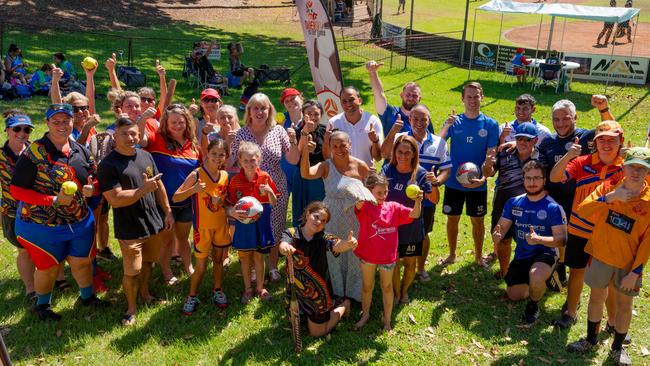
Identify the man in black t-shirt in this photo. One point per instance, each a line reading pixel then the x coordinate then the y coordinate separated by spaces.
pixel 131 183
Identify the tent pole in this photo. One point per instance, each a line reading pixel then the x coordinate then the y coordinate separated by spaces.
pixel 562 40
pixel 539 34
pixel 611 58
pixel 471 50
pixel 496 58
pixel 634 39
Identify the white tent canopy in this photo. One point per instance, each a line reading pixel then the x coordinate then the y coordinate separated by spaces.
pixel 596 13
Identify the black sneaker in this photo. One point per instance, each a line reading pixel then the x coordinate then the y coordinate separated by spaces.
pixel 565 321
pixel 45 313
pixel 620 357
pixel 581 346
pixel 93 301
pixel 531 313
pixel 553 283
pixel 612 330
pixel 106 254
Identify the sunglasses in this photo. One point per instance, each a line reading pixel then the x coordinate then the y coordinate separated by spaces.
pixel 60 107
pixel 524 139
pixel 147 100
pixel 27 129
pixel 211 100
pixel 175 106
pixel 81 108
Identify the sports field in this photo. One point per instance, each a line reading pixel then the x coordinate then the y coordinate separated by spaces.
pixel 459 318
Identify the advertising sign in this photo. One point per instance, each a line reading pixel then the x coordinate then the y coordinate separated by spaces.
pixel 624 69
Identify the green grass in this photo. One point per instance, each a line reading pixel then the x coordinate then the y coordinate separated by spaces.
pixel 439 16
pixel 457 319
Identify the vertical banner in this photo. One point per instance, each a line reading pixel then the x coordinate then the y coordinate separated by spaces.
pixel 323 55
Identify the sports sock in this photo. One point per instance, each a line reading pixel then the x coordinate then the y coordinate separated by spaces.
pixel 618 340
pixel 44 299
pixel 592 331
pixel 86 292
pixel 561 272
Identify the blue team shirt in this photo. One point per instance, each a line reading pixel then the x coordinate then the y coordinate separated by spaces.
pixel 542 215
pixel 470 140
pixel 390 116
pixel 288 168
pixel 397 183
pixel 551 150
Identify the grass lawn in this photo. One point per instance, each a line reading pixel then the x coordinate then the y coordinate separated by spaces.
pixel 458 318
pixel 437 16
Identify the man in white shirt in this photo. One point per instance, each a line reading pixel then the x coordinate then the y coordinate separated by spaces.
pixel 364 129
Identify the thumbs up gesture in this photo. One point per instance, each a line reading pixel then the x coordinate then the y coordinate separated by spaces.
pixel 507 130
pixel 576 149
pixel 265 188
pixel 89 188
pixel 150 184
pixel 311 145
pixel 57 74
pixel 194 108
pixel 432 177
pixel 160 69
pixel 452 118
pixel 497 235
pixel 198 186
pixel 351 241
pixel 372 134
pixel 531 237
pixel 398 125
pixel 111 62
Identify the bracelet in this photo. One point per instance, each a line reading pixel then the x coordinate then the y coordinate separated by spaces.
pixel 604 110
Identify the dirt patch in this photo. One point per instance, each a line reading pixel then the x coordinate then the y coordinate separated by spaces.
pixel 580 37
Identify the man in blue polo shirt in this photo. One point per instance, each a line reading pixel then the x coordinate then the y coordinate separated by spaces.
pixel 473 136
pixel 434 158
pixel 410 95
pixel 540 228
pixel 524 109
pixel 510 182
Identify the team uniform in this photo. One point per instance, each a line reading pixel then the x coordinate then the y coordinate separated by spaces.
pixel 176 163
pixel 470 139
pixel 389 117
pixel 210 220
pixel 51 232
pixel 588 172
pixel 259 234
pixel 8 204
pixel 410 235
pixel 358 133
pixel 542 131
pixel 542 215
pixel 620 241
pixel 510 183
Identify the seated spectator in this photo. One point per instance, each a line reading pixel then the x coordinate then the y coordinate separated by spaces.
pixel 236 67
pixel 41 80
pixel 519 61
pixel 200 60
pixel 69 73
pixel 14 64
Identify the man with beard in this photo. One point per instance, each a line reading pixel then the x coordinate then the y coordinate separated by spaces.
pixel 540 228
pixel 524 109
pixel 410 95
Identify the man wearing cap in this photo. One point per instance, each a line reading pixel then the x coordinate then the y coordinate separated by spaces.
pixel 524 109
pixel 519 61
pixel 53 179
pixel 364 129
pixel 619 249
pixel 410 95
pixel 510 183
pixel 539 224
pixel 18 128
pixel 588 171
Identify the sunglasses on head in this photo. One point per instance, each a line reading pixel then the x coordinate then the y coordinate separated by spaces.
pixel 80 108
pixel 175 106
pixel 60 107
pixel 27 129
pixel 211 100
pixel 147 100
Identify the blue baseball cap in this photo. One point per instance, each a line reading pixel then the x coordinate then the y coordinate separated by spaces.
pixel 59 108
pixel 526 129
pixel 18 121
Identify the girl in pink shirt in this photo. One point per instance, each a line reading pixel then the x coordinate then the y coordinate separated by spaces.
pixel 378 241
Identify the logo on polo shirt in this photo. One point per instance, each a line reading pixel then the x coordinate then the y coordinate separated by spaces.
pixel 482 132
pixel 542 215
pixel 446 208
pixel 620 221
pixel 517 211
pixel 589 169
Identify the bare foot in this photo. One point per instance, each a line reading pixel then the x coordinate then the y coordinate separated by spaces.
pixel 405 299
pixel 364 319
pixel 449 260
pixel 346 305
pixel 387 327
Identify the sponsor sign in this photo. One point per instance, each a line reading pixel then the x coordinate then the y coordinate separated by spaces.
pixel 624 69
pixel 397 34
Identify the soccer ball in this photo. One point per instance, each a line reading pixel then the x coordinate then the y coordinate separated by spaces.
pixel 251 207
pixel 466 172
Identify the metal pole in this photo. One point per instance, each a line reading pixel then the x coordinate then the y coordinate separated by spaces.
pixel 633 40
pixel 408 38
pixel 471 50
pixel 464 38
pixel 496 57
pixel 539 34
pixel 550 32
pixel 611 58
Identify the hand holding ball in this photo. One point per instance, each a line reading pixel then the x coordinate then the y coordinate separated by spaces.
pixel 412 191
pixel 89 63
pixel 69 188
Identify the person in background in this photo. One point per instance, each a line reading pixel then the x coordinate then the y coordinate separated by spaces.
pixel 41 80
pixel 69 72
pixel 14 64
pixel 608 27
pixel 519 63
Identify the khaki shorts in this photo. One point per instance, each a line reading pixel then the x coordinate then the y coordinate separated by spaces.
pixel 599 274
pixel 136 251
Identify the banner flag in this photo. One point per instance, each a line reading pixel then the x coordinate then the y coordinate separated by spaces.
pixel 323 55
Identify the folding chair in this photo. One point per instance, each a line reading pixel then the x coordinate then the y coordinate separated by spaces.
pixel 191 73
pixel 509 74
pixel 548 75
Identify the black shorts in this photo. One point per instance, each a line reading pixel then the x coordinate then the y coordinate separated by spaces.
pixel 9 230
pixel 519 269
pixel 574 254
pixel 105 207
pixel 319 318
pixel 455 199
pixel 498 203
pixel 428 213
pixel 410 250
pixel 182 214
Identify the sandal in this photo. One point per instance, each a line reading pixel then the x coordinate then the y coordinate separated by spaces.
pixel 246 296
pixel 264 295
pixel 128 320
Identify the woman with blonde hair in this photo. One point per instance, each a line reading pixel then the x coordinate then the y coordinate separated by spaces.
pixel 176 153
pixel 260 127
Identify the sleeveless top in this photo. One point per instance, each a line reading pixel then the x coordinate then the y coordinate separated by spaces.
pixel 206 214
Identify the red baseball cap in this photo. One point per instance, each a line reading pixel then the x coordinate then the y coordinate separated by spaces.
pixel 520 50
pixel 210 93
pixel 288 92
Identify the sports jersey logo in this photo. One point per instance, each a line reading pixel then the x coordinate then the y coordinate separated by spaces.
pixel 207 201
pixel 542 215
pixel 149 171
pixel 517 211
pixel 380 231
pixel 482 132
pixel 620 221
pixel 446 208
pixel 589 169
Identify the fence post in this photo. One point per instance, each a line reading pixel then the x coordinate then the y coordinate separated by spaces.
pixel 392 52
pixel 130 52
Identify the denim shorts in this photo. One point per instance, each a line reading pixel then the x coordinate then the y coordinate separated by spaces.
pixel 383 267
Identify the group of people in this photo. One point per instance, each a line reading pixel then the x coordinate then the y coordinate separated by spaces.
pixel 167 168
pixel 623 29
